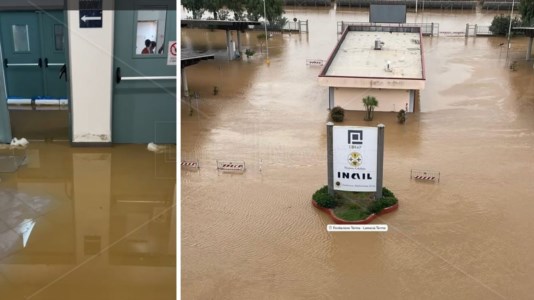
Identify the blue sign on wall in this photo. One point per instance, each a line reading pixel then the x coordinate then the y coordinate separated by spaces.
pixel 90 13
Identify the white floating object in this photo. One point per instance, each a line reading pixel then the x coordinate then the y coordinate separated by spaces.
pixel 155 148
pixel 19 143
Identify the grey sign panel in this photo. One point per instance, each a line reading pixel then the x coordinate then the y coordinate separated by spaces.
pixel 387 13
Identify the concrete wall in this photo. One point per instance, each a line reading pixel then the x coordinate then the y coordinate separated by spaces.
pixel 388 100
pixel 91 74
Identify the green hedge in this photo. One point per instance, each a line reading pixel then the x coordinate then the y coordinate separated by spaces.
pixel 379 205
pixel 387 193
pixel 323 198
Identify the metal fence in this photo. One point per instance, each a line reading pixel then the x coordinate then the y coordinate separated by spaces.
pixel 477 30
pixel 499 4
pixel 434 4
pixel 318 3
pixel 298 26
pixel 426 28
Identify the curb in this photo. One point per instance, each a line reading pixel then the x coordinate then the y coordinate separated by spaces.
pixel 368 220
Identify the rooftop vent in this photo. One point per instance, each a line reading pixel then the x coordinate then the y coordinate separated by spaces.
pixel 378 44
pixel 388 66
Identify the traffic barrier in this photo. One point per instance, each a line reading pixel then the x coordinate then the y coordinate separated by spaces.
pixel 425 175
pixel 190 164
pixel 236 166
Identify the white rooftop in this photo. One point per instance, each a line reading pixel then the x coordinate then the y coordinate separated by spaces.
pixel 357 56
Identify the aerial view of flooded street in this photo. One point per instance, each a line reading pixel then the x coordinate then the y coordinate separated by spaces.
pixel 255 235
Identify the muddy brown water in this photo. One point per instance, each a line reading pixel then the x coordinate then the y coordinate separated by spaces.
pixel 256 236
pixel 88 223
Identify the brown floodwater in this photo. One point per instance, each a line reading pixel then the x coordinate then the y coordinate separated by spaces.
pixel 256 236
pixel 88 223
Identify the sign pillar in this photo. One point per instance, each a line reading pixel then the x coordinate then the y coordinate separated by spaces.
pixel 380 162
pixel 184 84
pixel 330 156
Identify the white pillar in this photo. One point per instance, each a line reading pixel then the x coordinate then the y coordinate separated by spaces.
pixel 529 48
pixel 229 44
pixel 238 42
pixel 91 78
pixel 331 100
pixel 184 84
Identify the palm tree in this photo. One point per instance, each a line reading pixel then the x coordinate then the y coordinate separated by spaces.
pixel 370 103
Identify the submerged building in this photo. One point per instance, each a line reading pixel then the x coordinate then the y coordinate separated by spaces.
pixel 386 62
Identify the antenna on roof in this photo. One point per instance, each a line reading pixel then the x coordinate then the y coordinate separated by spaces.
pixel 378 44
pixel 388 66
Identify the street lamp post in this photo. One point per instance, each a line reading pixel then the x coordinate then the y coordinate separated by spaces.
pixel 510 27
pixel 266 36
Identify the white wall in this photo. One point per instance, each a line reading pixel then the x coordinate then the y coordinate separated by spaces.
pixel 388 100
pixel 91 77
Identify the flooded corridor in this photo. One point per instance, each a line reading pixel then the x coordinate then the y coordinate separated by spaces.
pixel 88 223
pixel 257 236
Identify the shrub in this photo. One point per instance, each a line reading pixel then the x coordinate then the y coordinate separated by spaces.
pixel 501 24
pixel 401 116
pixel 324 199
pixel 387 193
pixel 249 52
pixel 378 205
pixel 337 114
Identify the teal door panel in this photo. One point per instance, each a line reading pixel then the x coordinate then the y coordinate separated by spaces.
pixel 21 45
pixel 53 38
pixel 144 100
pixel 5 125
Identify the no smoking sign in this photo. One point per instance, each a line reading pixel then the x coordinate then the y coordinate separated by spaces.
pixel 171 53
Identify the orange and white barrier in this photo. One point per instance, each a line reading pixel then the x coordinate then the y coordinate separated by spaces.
pixel 238 166
pixel 426 175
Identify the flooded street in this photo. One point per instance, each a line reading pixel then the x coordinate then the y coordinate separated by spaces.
pixel 256 236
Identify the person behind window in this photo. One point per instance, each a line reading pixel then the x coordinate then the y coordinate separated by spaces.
pixel 146 50
pixel 152 47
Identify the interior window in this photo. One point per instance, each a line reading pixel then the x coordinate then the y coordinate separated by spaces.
pixel 58 37
pixel 21 40
pixel 150 32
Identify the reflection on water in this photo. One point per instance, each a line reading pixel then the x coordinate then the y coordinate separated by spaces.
pixel 84 223
pixel 256 236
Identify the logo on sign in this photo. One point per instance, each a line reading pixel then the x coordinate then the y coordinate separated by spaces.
pixel 355 159
pixel 355 137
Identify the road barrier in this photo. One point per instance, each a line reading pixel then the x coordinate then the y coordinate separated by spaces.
pixel 232 166
pixel 425 175
pixel 190 165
